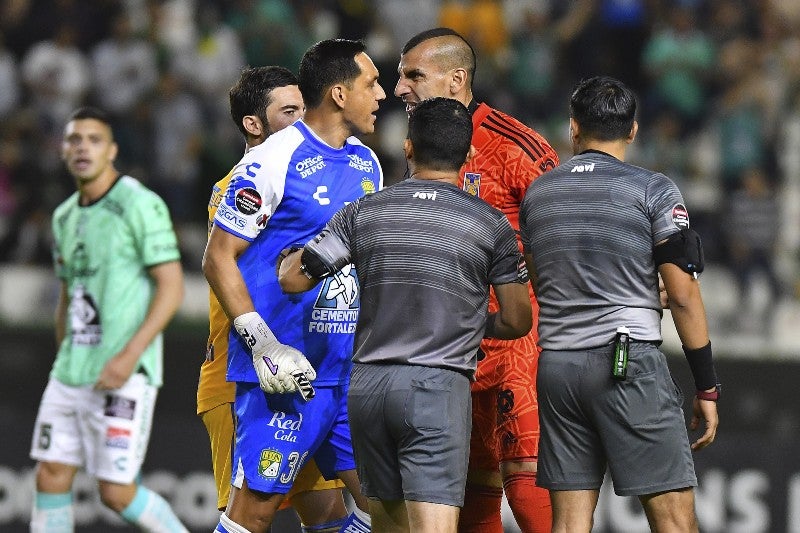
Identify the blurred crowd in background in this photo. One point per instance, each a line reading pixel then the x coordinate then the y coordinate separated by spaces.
pixel 718 81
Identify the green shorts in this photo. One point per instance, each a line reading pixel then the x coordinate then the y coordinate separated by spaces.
pixel 590 421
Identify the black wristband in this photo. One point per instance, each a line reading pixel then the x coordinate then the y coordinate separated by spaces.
pixel 702 367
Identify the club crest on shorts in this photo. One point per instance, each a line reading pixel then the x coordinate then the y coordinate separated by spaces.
pixel 472 183
pixel 269 463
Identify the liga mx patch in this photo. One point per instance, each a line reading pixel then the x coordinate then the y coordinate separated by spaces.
pixel 472 183
pixel 680 216
pixel 269 464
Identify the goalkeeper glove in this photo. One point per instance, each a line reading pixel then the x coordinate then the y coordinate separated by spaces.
pixel 280 368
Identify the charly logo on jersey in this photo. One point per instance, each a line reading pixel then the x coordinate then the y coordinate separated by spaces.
pixel 367 185
pixel 84 319
pixel 269 463
pixel 680 216
pixel 588 167
pixel 364 165
pixel 336 307
pixel 321 195
pixel 472 183
pixel 309 166
pixel 286 426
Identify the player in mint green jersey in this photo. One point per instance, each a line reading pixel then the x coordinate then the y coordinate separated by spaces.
pixel 117 258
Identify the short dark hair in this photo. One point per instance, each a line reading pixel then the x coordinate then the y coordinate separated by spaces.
pixel 603 107
pixel 251 95
pixel 325 64
pixel 440 130
pixel 466 58
pixel 89 112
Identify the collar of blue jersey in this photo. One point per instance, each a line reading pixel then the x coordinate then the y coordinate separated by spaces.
pixel 473 106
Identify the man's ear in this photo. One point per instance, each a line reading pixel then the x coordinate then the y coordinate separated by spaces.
pixel 458 81
pixel 408 149
pixel 338 95
pixel 252 125
pixel 632 134
pixel 574 130
pixel 471 153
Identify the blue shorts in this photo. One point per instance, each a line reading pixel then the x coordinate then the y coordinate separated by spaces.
pixel 276 434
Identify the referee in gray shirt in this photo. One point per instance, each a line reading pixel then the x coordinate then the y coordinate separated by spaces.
pixel 597 233
pixel 426 253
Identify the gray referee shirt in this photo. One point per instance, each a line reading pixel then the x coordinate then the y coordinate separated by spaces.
pixel 425 253
pixel 590 225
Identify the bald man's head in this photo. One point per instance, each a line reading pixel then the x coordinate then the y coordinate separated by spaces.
pixel 448 49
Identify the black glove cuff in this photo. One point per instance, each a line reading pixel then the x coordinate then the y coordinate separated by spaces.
pixel 702 367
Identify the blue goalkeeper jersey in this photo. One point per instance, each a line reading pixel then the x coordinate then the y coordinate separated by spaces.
pixel 282 194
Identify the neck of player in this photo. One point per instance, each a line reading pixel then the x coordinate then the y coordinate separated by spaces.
pixel 446 176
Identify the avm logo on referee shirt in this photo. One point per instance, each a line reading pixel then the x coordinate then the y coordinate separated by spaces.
pixel 425 195
pixel 589 167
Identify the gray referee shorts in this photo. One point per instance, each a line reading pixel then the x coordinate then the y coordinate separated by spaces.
pixel 589 421
pixel 410 427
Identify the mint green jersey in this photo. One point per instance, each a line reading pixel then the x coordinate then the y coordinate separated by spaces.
pixel 102 252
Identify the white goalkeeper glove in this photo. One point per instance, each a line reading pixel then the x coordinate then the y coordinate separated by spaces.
pixel 280 368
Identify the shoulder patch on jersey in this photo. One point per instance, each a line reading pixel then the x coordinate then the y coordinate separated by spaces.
pixel 472 183
pixel 248 201
pixel 367 185
pixel 680 216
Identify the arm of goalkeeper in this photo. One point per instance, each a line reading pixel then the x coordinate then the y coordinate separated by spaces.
pixel 280 368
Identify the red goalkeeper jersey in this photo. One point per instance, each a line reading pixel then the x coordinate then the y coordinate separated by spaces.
pixel 510 155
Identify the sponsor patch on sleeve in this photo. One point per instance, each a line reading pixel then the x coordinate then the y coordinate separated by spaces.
pixel 248 201
pixel 680 216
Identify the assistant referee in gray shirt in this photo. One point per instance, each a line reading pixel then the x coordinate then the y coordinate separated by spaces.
pixel 597 233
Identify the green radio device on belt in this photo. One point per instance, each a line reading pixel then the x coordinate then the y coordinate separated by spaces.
pixel 622 341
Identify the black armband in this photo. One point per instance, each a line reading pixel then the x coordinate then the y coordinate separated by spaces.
pixel 702 367
pixel 684 249
pixel 324 255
